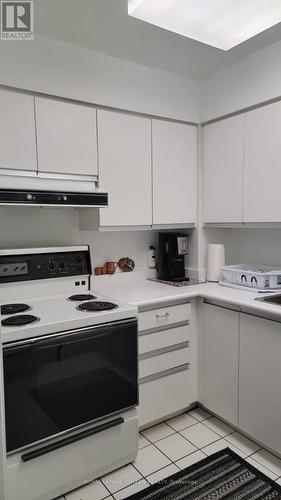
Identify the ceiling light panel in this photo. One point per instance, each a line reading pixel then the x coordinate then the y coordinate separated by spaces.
pixel 220 23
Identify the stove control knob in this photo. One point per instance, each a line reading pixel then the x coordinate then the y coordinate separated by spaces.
pixel 52 265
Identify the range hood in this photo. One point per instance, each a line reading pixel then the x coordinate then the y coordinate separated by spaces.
pixel 44 198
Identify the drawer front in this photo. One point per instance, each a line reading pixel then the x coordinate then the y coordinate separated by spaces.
pixel 98 454
pixel 164 316
pixel 164 338
pixel 164 396
pixel 165 361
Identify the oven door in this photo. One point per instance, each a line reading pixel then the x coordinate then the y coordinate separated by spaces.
pixel 57 383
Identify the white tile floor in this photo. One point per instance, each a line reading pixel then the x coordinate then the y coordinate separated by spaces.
pixel 166 448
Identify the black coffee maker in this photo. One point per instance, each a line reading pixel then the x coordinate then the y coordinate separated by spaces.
pixel 171 263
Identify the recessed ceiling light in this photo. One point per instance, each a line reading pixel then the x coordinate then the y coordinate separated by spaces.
pixel 220 23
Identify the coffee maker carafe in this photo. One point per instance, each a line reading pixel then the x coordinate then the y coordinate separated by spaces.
pixel 171 260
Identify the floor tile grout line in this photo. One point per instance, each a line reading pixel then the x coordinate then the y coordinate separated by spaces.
pixel 172 461
pixel 180 433
pixel 215 441
pixel 228 434
pixel 169 425
pixel 100 478
pixel 232 432
pixel 153 442
pixel 258 463
pixel 197 449
pixel 270 470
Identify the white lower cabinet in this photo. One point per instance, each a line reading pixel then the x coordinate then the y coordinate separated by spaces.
pixel 260 380
pixel 167 368
pixel 218 361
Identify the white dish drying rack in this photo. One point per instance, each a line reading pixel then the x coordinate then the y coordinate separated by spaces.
pixel 253 277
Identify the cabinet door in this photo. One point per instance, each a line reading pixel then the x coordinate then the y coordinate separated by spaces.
pixel 259 383
pixel 125 168
pixel 174 151
pixel 17 131
pixel 223 171
pixel 66 138
pixel 263 164
pixel 218 361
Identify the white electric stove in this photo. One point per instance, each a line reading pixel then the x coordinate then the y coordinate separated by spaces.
pixel 70 373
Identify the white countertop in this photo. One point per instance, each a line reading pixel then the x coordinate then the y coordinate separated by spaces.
pixel 134 288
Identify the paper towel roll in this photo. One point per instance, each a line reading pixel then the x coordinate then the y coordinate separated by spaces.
pixel 215 261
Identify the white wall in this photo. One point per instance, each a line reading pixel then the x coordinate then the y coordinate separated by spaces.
pixel 107 246
pixel 38 227
pixel 255 246
pixel 58 68
pixel 248 82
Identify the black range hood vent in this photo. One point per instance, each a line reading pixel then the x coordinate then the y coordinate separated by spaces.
pixel 52 198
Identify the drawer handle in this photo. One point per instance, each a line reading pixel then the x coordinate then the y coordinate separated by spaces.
pixel 164 350
pixel 162 316
pixel 165 373
pixel 71 439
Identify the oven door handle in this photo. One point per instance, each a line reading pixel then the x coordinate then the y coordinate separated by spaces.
pixel 71 439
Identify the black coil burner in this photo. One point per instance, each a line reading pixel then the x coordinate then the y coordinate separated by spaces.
pixel 97 306
pixel 81 297
pixel 14 308
pixel 19 320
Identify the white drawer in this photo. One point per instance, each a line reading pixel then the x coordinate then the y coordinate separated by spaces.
pixel 165 361
pixel 164 396
pixel 164 338
pixel 86 459
pixel 164 316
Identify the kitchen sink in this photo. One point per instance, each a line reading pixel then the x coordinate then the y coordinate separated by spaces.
pixel 272 299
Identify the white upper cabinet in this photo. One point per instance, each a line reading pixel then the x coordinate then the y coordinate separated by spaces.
pixel 17 131
pixel 124 144
pixel 263 164
pixel 223 171
pixel 174 153
pixel 66 138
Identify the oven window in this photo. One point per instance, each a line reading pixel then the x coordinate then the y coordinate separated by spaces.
pixel 57 385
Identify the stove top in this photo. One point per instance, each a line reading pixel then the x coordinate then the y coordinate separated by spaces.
pixel 97 306
pixel 14 308
pixel 58 314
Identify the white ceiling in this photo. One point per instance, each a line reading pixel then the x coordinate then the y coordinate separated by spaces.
pixel 104 26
